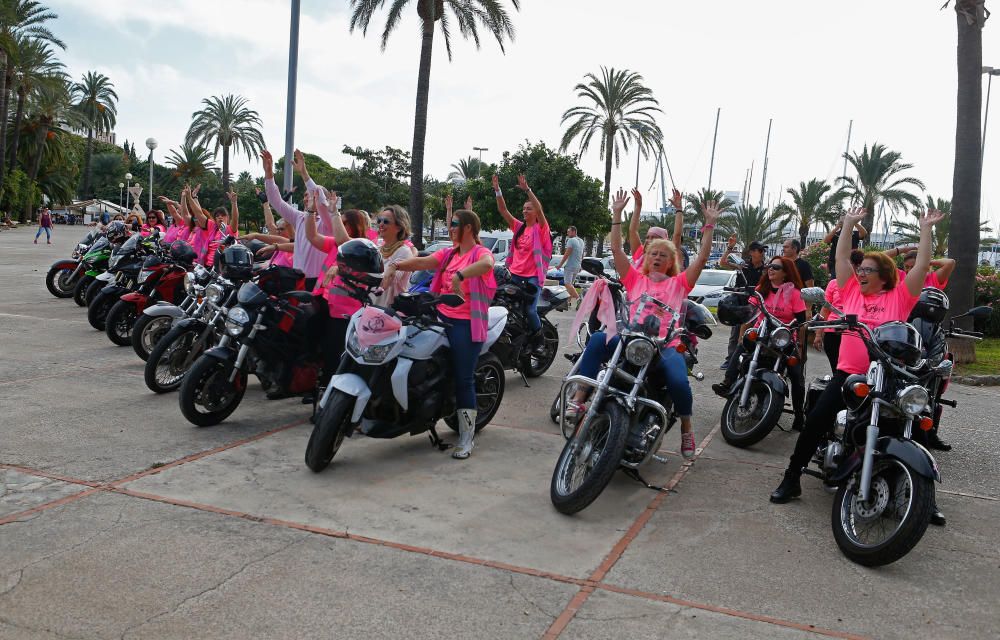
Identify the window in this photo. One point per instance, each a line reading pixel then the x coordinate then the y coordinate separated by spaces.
pixel 714 278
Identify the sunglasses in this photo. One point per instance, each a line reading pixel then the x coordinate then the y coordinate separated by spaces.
pixel 865 271
pixel 456 222
pixel 385 221
pixel 776 267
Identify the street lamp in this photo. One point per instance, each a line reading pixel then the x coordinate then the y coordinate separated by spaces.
pixel 989 72
pixel 128 180
pixel 121 190
pixel 150 144
pixel 479 168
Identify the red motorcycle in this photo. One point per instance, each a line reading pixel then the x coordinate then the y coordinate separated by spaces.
pixel 161 278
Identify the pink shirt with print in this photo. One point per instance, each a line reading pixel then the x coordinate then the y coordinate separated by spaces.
pixel 671 291
pixel 521 261
pixel 457 263
pixel 874 311
pixel 784 302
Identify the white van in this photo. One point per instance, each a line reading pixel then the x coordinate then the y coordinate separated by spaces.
pixel 498 242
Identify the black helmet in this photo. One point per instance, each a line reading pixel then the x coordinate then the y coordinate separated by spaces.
pixel 735 309
pixel 236 263
pixel 698 319
pixel 117 231
pixel 900 340
pixel 182 253
pixel 501 274
pixel 931 306
pixel 360 261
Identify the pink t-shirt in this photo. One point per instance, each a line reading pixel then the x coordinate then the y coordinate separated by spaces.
pixel 671 291
pixel 457 263
pixel 931 280
pixel 521 261
pixel 784 302
pixel 876 310
pixel 833 297
pixel 175 232
pixel 638 256
pixel 282 259
pixel 340 306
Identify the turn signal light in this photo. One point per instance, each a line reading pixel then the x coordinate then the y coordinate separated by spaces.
pixel 926 424
pixel 752 336
pixel 861 390
pixel 681 348
pixel 792 361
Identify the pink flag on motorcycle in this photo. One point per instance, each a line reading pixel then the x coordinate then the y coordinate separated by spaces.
pixel 375 325
pixel 599 297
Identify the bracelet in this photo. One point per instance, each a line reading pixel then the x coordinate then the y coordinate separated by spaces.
pixel 706 227
pixel 498 193
pixel 460 276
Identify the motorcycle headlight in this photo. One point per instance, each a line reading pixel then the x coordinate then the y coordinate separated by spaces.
pixel 913 399
pixel 237 320
pixel 374 354
pixel 640 351
pixel 144 275
pixel 781 338
pixel 189 284
pixel 214 293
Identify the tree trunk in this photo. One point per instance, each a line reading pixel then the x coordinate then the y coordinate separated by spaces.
pixel 420 134
pixel 967 177
pixel 803 235
pixel 85 186
pixel 225 169
pixel 36 163
pixel 608 151
pixel 5 82
pixel 18 122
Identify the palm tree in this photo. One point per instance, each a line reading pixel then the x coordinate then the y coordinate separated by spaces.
pixel 51 116
pixel 696 201
pixel 227 122
pixel 95 99
pixel 749 223
pixel 191 162
pixel 878 181
pixel 909 232
pixel 466 169
pixel 18 18
pixel 34 63
pixel 812 206
pixel 469 15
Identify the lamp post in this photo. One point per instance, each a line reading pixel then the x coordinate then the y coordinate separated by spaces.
pixel 989 72
pixel 121 190
pixel 479 168
pixel 150 144
pixel 128 180
pixel 293 74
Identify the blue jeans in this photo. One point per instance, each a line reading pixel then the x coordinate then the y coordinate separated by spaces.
pixel 534 322
pixel 46 230
pixel 671 363
pixel 464 355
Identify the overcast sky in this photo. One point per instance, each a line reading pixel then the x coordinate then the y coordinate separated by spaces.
pixel 811 66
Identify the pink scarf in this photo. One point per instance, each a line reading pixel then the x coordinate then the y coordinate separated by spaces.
pixel 598 296
pixel 541 249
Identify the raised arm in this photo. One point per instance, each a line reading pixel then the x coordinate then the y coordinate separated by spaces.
pixel 845 271
pixel 675 201
pixel 711 213
pixel 173 211
pixel 285 210
pixel 449 203
pixel 945 267
pixel 833 233
pixel 502 204
pixel 622 263
pixel 195 208
pixel 634 241
pixel 234 212
pixel 269 223
pixel 522 184
pixel 915 278
pixel 862 232
pixel 724 260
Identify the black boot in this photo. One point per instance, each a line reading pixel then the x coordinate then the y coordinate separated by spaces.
pixel 937 518
pixel 935 442
pixel 721 389
pixel 800 420
pixel 788 489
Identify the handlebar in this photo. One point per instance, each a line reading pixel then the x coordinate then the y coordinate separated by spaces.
pixel 965 335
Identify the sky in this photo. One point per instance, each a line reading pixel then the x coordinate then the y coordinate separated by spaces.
pixel 810 66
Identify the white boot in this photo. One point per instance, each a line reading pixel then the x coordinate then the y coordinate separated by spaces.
pixel 466 432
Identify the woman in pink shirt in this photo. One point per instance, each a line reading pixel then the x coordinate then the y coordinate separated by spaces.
pixel 658 277
pixel 781 287
pixel 829 340
pixel 874 293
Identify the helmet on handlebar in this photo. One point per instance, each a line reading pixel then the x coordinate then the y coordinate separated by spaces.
pixel 360 262
pixel 735 309
pixel 117 231
pixel 698 319
pixel 182 253
pixel 900 341
pixel 236 263
pixel 931 306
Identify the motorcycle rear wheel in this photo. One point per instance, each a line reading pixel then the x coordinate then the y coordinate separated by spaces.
pixel 746 427
pixel 899 496
pixel 538 361
pixel 207 397
pixel 100 306
pixel 587 464
pixel 490 384
pixel 163 371
pixel 59 282
pixel 80 290
pixel 328 433
pixel 118 325
pixel 147 331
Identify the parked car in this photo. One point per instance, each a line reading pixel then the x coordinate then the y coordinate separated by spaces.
pixel 709 287
pixel 437 245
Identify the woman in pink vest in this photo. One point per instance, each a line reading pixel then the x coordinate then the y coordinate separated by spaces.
pixel 465 269
pixel 530 251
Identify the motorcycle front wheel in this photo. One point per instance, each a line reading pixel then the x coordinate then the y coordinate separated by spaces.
pixel 589 460
pixel 328 433
pixel 147 331
pixel 118 325
pixel 743 427
pixel 207 396
pixel 539 360
pixel 165 367
pixel 60 282
pixel 80 290
pixel 891 522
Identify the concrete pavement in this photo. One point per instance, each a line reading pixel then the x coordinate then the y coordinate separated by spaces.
pixel 119 519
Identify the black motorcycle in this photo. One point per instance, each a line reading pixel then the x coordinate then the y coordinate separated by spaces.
pixel 884 480
pixel 122 276
pixel 515 348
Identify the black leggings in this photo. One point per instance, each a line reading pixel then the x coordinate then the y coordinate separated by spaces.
pixel 794 374
pixel 831 345
pixel 819 422
pixel 332 343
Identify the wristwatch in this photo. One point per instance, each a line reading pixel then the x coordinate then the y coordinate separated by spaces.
pixel 460 276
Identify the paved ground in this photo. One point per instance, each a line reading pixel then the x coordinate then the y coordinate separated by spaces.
pixel 119 519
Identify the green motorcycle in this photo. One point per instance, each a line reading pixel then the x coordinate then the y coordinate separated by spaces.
pixel 92 264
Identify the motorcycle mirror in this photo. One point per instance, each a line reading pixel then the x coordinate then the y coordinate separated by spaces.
pixel 813 295
pixel 980 313
pixel 451 300
pixel 944 367
pixel 593 266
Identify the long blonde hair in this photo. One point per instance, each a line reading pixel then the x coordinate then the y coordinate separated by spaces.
pixel 660 243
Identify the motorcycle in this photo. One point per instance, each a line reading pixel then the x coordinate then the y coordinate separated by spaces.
pixel 161 278
pixel 92 264
pixel 624 425
pixel 884 480
pixel 402 381
pixel 269 338
pixel 420 281
pixel 157 319
pixel 63 275
pixel 121 277
pixel 513 348
pixel 755 401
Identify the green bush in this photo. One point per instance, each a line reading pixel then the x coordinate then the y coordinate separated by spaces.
pixel 816 255
pixel 987 293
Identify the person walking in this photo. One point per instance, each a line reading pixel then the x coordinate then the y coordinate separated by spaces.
pixel 752 271
pixel 571 263
pixel 44 224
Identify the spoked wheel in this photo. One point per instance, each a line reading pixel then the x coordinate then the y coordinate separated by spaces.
pixel 118 324
pixel 59 281
pixel 207 396
pixel 168 361
pixel 540 359
pixel 554 411
pixel 147 331
pixel 743 427
pixel 80 290
pixel 589 460
pixel 891 522
pixel 490 384
pixel 328 433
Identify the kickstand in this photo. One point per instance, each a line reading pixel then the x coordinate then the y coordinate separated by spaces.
pixel 436 441
pixel 523 379
pixel 634 474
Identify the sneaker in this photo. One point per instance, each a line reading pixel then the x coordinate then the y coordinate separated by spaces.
pixel 724 365
pixel 687 444
pixel 721 389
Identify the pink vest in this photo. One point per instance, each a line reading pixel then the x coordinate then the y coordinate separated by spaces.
pixel 481 290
